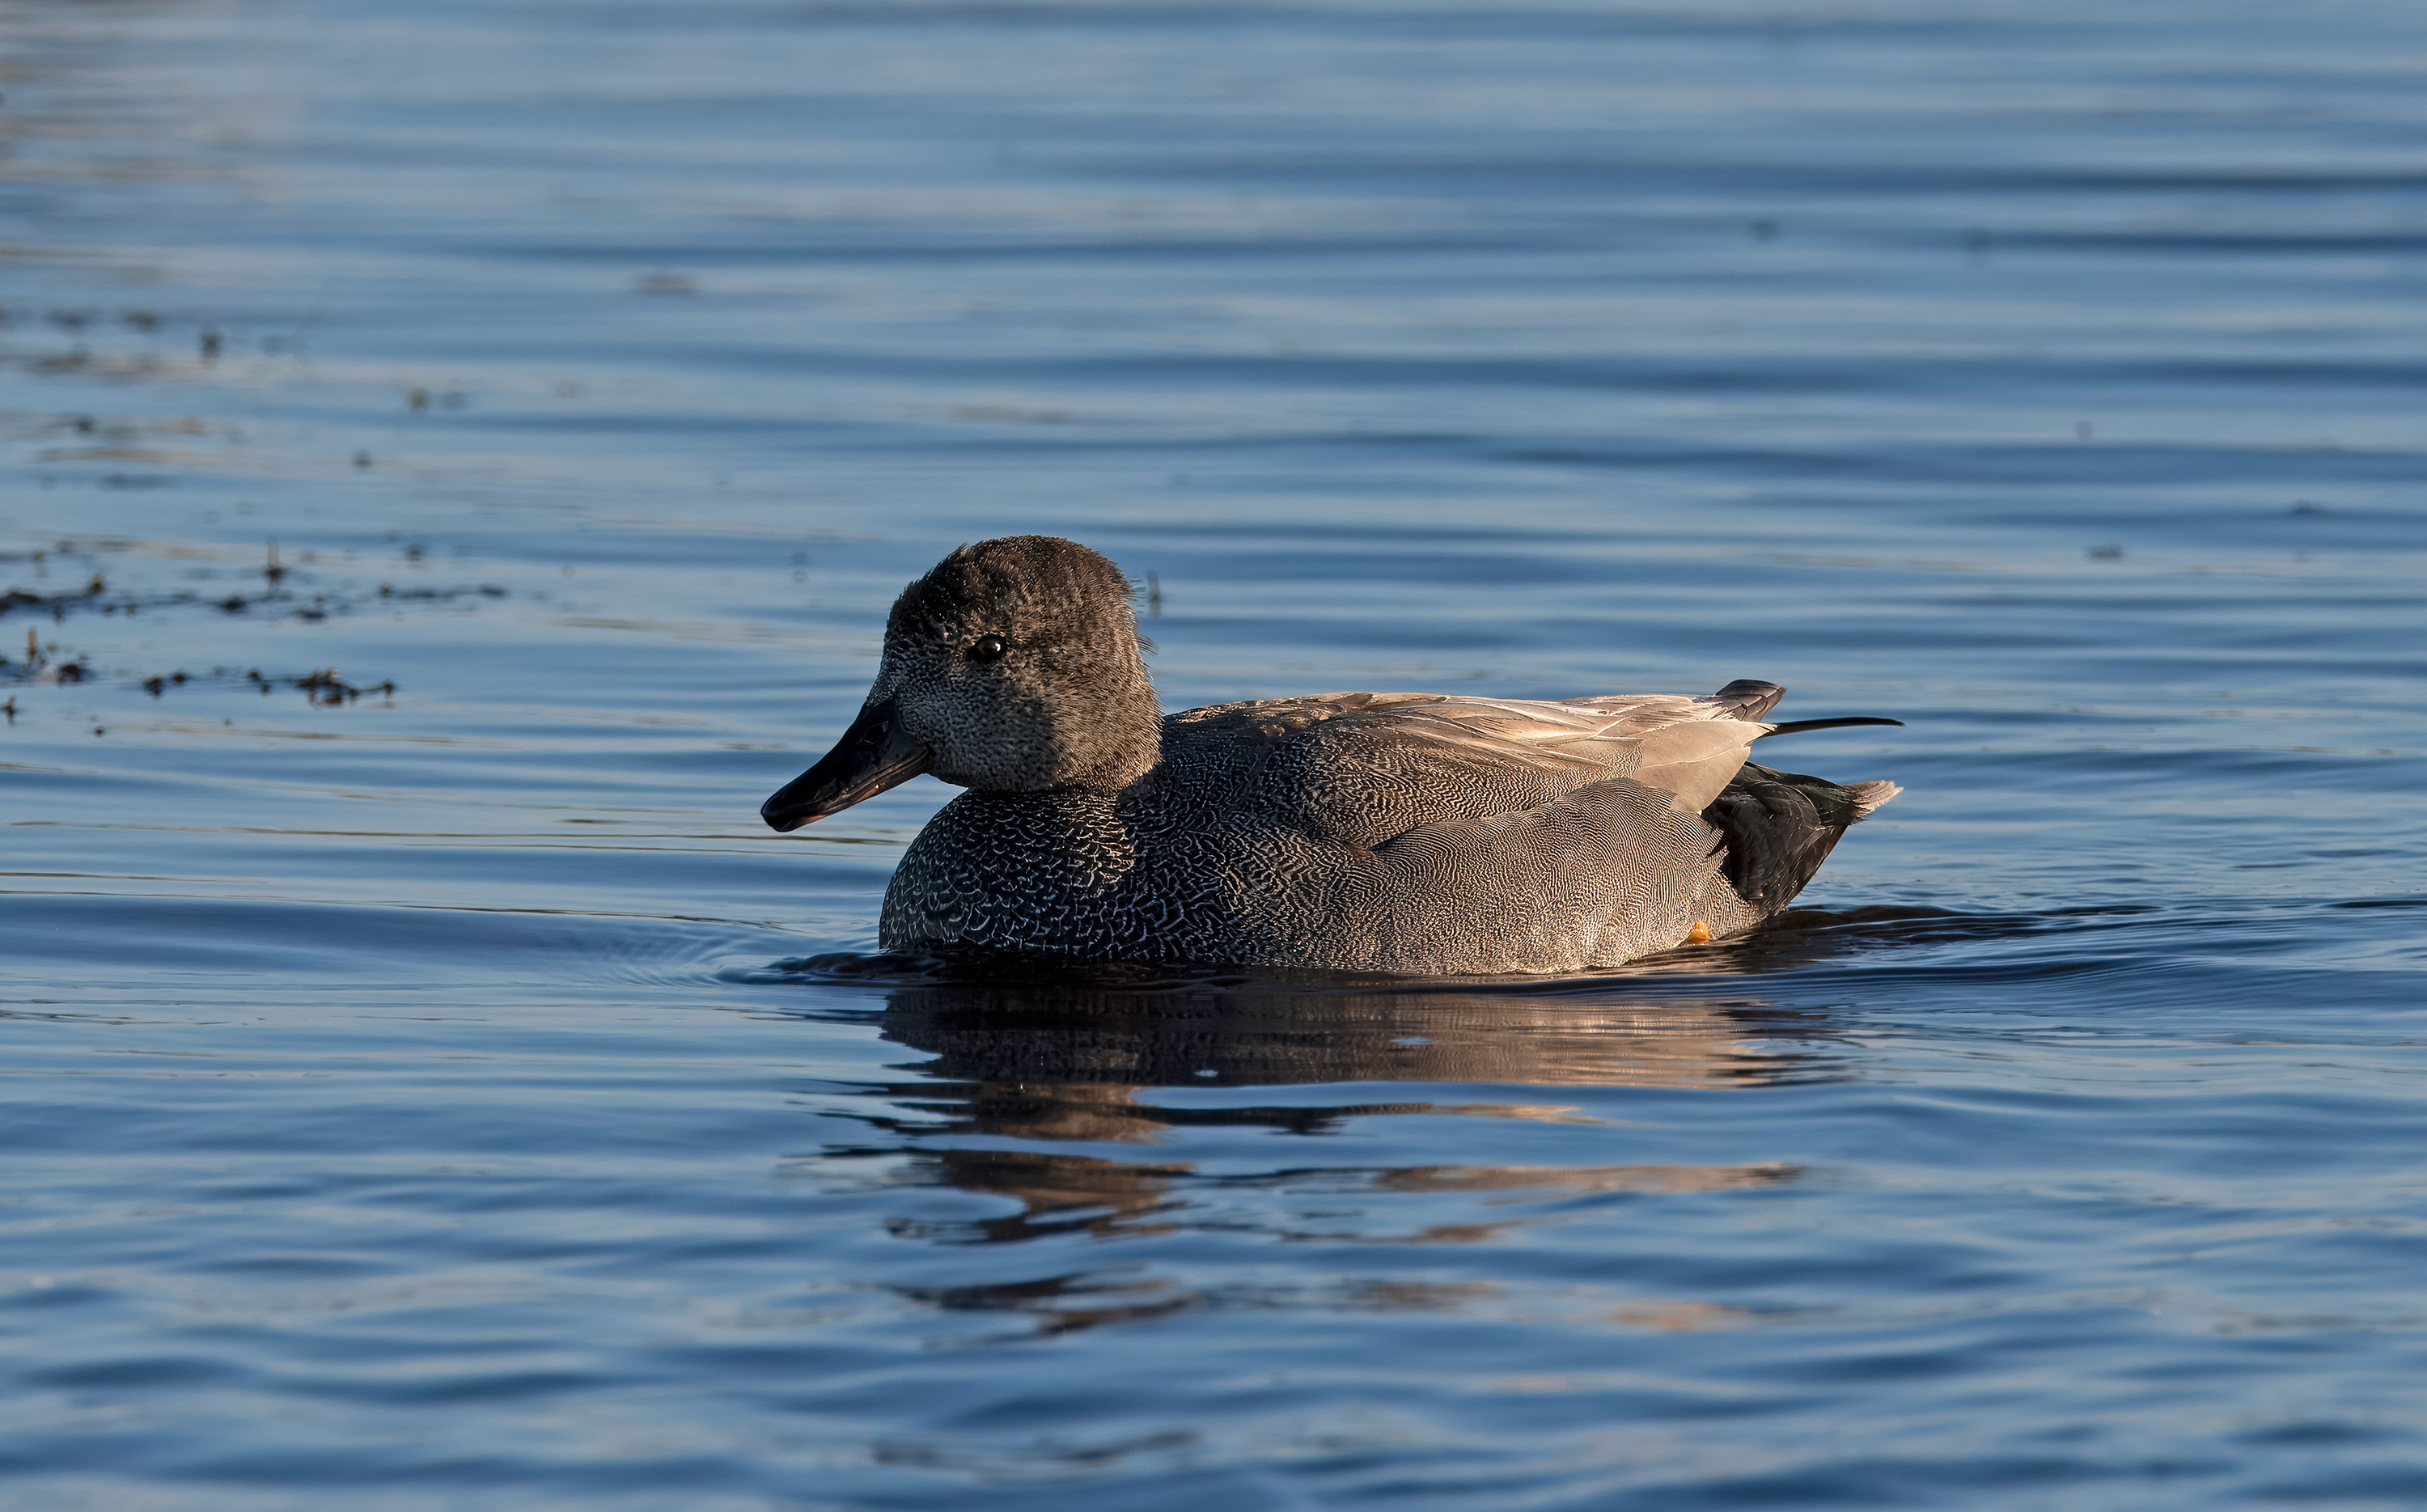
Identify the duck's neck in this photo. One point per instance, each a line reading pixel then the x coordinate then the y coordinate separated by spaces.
pixel 1098 733
pixel 1119 738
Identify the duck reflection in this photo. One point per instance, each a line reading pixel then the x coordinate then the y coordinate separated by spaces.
pixel 1058 1059
pixel 1062 1054
pixel 1061 1061
pixel 1019 1066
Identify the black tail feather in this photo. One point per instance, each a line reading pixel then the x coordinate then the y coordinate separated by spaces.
pixel 1798 727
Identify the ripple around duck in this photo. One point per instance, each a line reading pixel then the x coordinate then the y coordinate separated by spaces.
pixel 1798 940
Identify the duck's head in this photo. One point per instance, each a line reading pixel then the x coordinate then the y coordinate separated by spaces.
pixel 1014 666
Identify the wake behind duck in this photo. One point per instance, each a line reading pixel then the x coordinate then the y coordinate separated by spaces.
pixel 1427 833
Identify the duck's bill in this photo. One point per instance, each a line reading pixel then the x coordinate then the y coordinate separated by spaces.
pixel 874 754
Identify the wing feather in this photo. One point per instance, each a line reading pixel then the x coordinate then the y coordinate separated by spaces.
pixel 1361 767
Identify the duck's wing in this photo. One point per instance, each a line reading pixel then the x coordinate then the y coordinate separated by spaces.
pixel 1362 768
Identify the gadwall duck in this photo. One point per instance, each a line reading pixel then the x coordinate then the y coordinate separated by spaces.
pixel 1428 834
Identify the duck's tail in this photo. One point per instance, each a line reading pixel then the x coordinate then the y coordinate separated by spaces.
pixel 1798 725
pixel 1870 795
pixel 1776 828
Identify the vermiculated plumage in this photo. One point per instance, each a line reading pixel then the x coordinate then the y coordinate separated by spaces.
pixel 1406 833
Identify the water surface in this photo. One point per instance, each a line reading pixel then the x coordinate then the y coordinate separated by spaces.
pixel 406 1106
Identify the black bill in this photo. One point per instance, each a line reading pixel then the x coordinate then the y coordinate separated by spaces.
pixel 874 754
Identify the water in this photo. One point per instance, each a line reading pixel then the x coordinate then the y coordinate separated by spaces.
pixel 404 1106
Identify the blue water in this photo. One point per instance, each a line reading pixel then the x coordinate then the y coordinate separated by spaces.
pixel 404 1107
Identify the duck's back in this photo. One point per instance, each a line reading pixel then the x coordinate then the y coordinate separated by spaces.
pixel 1363 768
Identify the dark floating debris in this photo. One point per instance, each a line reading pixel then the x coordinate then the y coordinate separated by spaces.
pixel 2106 553
pixel 322 687
pixel 277 598
pixel 45 663
pixel 439 595
pixel 326 688
pixel 57 605
pixel 40 667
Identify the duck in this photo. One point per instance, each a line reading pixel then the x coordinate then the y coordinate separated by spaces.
pixel 1396 834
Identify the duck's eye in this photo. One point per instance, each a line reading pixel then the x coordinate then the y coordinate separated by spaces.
pixel 987 648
